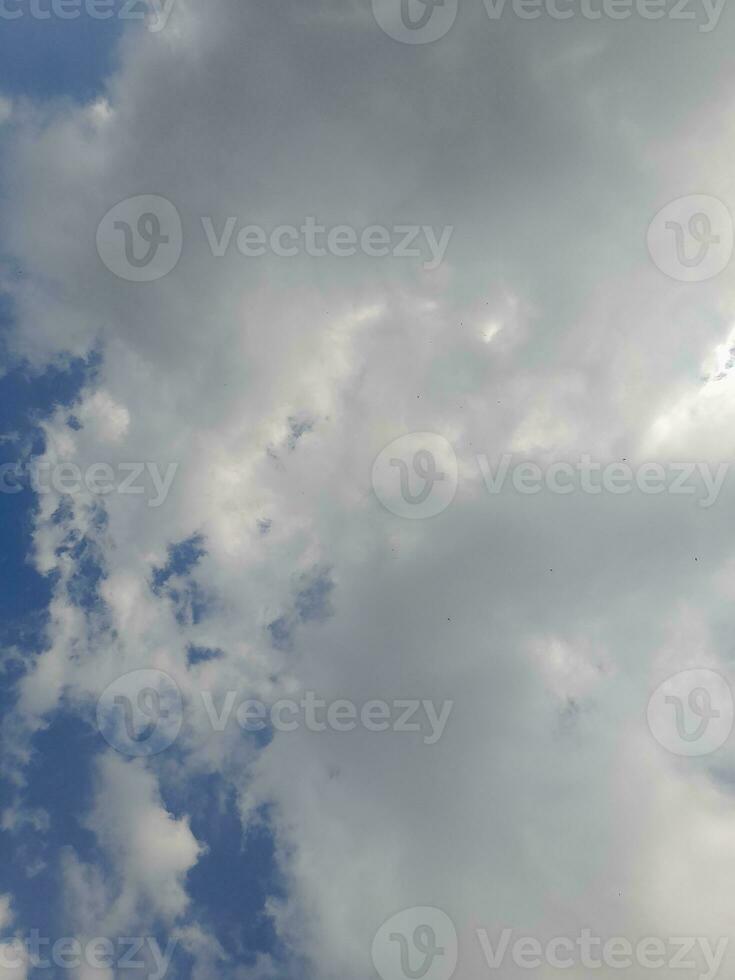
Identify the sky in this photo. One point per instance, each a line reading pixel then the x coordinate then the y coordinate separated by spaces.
pixel 366 420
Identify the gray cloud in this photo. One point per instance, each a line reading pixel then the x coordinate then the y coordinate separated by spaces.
pixel 547 331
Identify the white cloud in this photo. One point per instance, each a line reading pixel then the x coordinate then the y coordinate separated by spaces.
pixel 150 850
pixel 546 806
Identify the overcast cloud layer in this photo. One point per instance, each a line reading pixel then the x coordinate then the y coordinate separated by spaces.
pixel 545 331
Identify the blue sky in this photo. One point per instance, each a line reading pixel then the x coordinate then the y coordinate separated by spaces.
pixel 58 60
pixel 230 885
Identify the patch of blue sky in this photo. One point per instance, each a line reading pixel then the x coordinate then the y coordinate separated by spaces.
pixel 48 59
